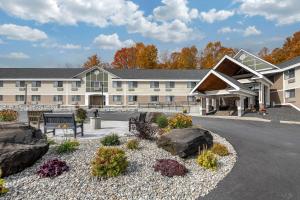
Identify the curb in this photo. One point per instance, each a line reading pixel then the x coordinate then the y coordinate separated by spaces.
pixel 234 118
pixel 290 122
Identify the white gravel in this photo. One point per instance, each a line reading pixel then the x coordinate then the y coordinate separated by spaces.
pixel 139 182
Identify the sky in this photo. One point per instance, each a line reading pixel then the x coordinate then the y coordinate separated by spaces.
pixel 63 33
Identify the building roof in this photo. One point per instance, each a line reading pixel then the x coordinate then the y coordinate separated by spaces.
pixel 36 73
pixel 153 74
pixel 290 62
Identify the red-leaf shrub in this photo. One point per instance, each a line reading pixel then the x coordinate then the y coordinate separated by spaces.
pixel 170 168
pixel 52 168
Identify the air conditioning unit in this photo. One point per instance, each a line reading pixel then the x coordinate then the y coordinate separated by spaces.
pixel 34 89
pixel 119 89
pixel 156 89
pixel 60 89
pixel 131 89
pixel 291 80
pixel 74 89
pixel 168 89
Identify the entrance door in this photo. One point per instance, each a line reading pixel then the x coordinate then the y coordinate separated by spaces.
pixel 96 101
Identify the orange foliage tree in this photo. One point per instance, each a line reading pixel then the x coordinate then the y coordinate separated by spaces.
pixel 289 50
pixel 125 58
pixel 92 62
pixel 213 53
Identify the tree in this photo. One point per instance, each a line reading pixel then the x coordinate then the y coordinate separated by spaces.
pixel 92 62
pixel 213 53
pixel 187 59
pixel 289 50
pixel 125 58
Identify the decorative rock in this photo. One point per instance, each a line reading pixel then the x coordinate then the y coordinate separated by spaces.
pixel 185 142
pixel 20 147
pixel 151 116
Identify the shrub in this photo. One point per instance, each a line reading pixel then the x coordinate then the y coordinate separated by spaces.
pixel 8 115
pixel 170 168
pixel 180 121
pixel 162 121
pixel 145 131
pixel 110 140
pixel 52 168
pixel 3 189
pixel 81 115
pixel 207 160
pixel 220 149
pixel 109 162
pixel 132 144
pixel 184 111
pixel 67 146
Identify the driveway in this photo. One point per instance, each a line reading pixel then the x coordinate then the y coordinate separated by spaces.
pixel 268 164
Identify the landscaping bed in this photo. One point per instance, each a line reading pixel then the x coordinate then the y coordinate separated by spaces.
pixel 140 180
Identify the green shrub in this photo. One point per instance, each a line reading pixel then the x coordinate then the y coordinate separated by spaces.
pixel 162 121
pixel 8 115
pixel 67 146
pixel 110 140
pixel 180 121
pixel 207 159
pixel 3 189
pixel 81 115
pixel 132 144
pixel 109 162
pixel 220 149
pixel 184 111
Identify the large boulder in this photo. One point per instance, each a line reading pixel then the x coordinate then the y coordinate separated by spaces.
pixel 185 142
pixel 152 116
pixel 20 147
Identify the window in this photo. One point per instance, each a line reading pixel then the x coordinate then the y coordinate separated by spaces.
pixel 58 84
pixel 290 93
pixel 20 83
pixel 191 84
pixel 132 98
pixel 57 98
pixel 1 97
pixel 117 84
pixel 20 97
pixel 191 99
pixel 132 84
pixel 154 98
pixel 76 98
pixel 36 98
pixel 1 83
pixel 170 84
pixel 95 84
pixel 36 84
pixel 154 84
pixel 76 84
pixel 289 74
pixel 169 98
pixel 117 98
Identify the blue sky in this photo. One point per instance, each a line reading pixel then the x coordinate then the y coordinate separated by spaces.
pixel 59 33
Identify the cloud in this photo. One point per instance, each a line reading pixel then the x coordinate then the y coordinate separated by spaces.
pixel 174 9
pixel 111 42
pixel 213 15
pixel 172 28
pixel 15 55
pixel 282 12
pixel 67 46
pixel 15 32
pixel 250 30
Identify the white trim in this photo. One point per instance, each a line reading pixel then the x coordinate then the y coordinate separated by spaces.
pixel 255 57
pixel 282 70
pixel 227 81
pixel 161 80
pixel 96 67
pixel 193 90
pixel 38 79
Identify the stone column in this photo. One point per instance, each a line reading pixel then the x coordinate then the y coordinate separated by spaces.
pixel 207 105
pixel 202 106
pixel 261 96
pixel 267 96
pixel 214 103
pixel 251 102
pixel 240 106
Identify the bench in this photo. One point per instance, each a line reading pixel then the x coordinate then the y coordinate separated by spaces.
pixel 36 116
pixel 55 121
pixel 141 119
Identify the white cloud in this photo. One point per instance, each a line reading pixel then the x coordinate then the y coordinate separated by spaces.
pixel 250 30
pixel 282 12
pixel 58 46
pixel 15 55
pixel 175 9
pixel 15 32
pixel 109 12
pixel 111 42
pixel 213 15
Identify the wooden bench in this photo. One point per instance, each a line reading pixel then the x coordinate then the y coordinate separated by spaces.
pixel 141 119
pixel 36 116
pixel 55 121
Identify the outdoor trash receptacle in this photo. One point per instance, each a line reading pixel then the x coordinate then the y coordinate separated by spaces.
pixel 95 122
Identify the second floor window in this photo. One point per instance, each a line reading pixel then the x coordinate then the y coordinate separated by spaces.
pixel 76 98
pixel 76 84
pixel 169 98
pixel 132 98
pixel 289 74
pixel 132 84
pixel 154 98
pixel 20 83
pixel 154 84
pixel 117 84
pixel 36 84
pixel 35 98
pixel 191 84
pixel 1 83
pixel 20 97
pixel 58 84
pixel 57 98
pixel 170 84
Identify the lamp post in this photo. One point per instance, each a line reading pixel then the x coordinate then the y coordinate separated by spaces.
pixel 25 99
pixel 102 95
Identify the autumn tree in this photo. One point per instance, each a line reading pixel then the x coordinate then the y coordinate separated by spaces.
pixel 289 50
pixel 125 58
pixel 92 62
pixel 213 53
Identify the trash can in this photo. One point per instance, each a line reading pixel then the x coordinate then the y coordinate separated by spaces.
pixel 95 122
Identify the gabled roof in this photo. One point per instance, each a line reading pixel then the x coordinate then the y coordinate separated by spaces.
pixel 39 73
